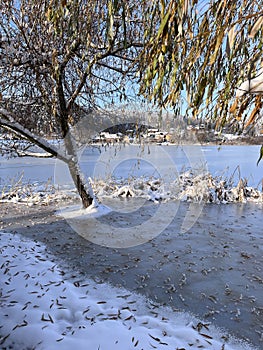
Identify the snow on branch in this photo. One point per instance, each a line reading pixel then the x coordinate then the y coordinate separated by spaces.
pixel 8 121
pixel 19 148
pixel 34 154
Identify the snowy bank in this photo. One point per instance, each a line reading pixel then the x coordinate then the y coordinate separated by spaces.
pixel 188 186
pixel 41 308
pixel 34 193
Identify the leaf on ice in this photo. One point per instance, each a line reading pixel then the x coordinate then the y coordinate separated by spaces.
pixel 128 318
pixel 23 324
pixel 49 319
pixel 154 338
pixel 206 336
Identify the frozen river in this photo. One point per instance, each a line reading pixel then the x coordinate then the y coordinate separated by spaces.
pixel 151 161
pixel 211 268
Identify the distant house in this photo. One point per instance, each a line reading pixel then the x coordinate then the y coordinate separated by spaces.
pixel 109 138
pixel 154 135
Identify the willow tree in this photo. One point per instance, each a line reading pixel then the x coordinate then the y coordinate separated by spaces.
pixel 202 52
pixel 60 59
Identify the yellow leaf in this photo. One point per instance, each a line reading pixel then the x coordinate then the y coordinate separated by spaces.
pixel 256 27
pixel 163 24
pixel 231 37
pixel 218 44
pixel 242 109
pixel 255 111
pixel 234 106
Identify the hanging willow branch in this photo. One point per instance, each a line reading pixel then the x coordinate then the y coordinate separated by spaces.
pixel 201 52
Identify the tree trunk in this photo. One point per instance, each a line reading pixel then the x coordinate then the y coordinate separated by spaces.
pixel 63 119
pixel 86 198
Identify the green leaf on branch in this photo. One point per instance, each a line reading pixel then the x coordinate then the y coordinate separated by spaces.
pixel 260 155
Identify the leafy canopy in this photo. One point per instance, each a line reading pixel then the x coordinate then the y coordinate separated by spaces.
pixel 201 51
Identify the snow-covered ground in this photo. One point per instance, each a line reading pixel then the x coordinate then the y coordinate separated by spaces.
pixel 41 308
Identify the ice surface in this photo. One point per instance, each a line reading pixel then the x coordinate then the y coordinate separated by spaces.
pixel 41 308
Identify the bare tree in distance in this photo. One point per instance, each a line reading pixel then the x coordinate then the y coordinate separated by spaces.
pixel 60 61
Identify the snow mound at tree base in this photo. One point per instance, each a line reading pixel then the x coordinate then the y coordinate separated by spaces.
pixel 78 212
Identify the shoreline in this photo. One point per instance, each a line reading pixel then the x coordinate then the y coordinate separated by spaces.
pixel 233 142
pixel 214 270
